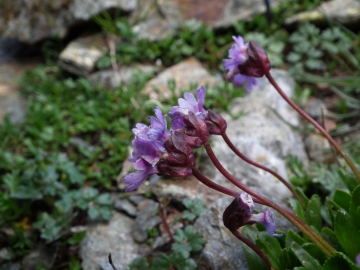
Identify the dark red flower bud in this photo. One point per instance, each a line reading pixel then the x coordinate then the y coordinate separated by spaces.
pixel 257 63
pixel 216 123
pixel 178 159
pixel 174 171
pixel 238 213
pixel 192 121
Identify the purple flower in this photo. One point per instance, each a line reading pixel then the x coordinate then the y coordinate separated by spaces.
pixel 266 219
pixel 186 104
pixel 358 259
pixel 148 149
pixel 238 55
pixel 240 213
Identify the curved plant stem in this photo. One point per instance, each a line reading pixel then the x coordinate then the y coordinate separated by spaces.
pixel 315 124
pixel 248 160
pixel 253 247
pixel 164 222
pixel 207 182
pixel 324 246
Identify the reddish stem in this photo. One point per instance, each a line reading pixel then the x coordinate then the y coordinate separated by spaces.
pixel 253 247
pixel 164 222
pixel 302 226
pixel 315 124
pixel 248 160
pixel 207 182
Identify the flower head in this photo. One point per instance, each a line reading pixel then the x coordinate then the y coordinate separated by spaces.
pixel 148 149
pixel 240 213
pixel 247 61
pixel 186 104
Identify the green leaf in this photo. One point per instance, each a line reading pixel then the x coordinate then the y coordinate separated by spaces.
pixel 340 261
pixel 253 260
pixel 291 237
pixel 343 199
pixel 309 262
pixel 298 209
pixel 76 238
pixel 313 212
pixel 270 246
pixel 104 199
pixel 315 252
pixel 330 237
pixel 182 263
pixel 355 203
pixel 351 182
pixel 138 263
pixel 347 232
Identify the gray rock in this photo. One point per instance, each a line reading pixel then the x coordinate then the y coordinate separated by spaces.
pixel 31 20
pixel 5 254
pixel 180 189
pixel 137 199
pixel 40 256
pixel 186 73
pixel 315 107
pixel 147 218
pixel 222 250
pixel 164 17
pixel 344 11
pixel 124 75
pixel 10 266
pixel 12 102
pixel 113 237
pixel 319 148
pixel 262 136
pixel 125 206
pixel 80 56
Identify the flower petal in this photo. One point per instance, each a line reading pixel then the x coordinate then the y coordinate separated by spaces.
pixel 266 218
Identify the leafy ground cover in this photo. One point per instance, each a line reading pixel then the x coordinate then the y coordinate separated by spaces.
pixel 59 167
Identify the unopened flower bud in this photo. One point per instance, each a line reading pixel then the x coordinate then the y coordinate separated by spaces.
pixel 192 121
pixel 240 213
pixel 257 63
pixel 216 123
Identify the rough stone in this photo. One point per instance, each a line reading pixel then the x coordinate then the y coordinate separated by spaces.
pixel 186 73
pixel 113 237
pixel 262 136
pixel 344 11
pixel 180 189
pixel 4 254
pixel 147 218
pixel 137 199
pixel 315 107
pixel 125 206
pixel 32 20
pixel 164 17
pixel 319 148
pixel 222 250
pixel 80 56
pixel 11 101
pixel 124 75
pixel 10 266
pixel 40 256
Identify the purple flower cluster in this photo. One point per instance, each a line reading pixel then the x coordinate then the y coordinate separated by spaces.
pixel 148 149
pixel 238 55
pixel 247 62
pixel 240 213
pixel 149 143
